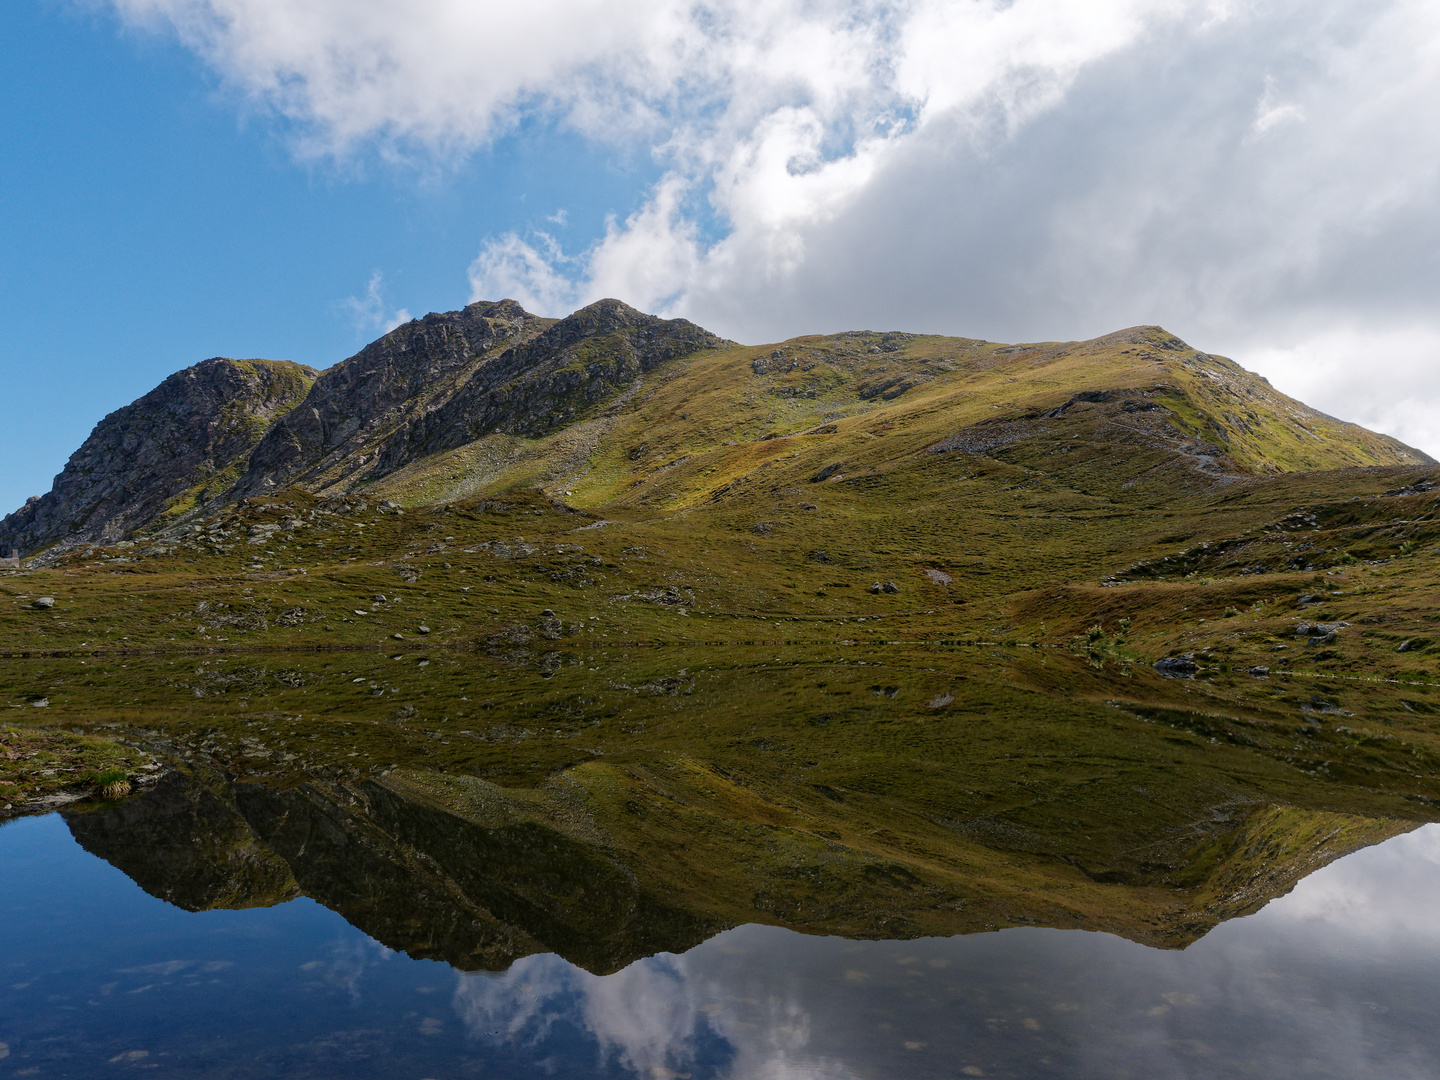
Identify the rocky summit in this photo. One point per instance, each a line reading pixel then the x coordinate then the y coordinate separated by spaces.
pixel 225 429
pixel 179 447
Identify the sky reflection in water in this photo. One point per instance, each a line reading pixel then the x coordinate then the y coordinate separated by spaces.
pixel 1340 978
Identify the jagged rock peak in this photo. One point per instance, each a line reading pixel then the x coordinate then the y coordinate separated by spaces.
pixel 180 444
pixel 355 405
pixel 445 380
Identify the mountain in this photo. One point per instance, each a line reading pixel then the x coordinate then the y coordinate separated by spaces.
pixel 610 406
pixel 443 381
pixel 178 447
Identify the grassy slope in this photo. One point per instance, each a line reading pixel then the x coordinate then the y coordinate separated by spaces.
pixel 1048 514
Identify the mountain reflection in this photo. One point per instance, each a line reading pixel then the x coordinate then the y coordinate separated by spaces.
pixel 1334 980
pixel 605 824
pixel 754 867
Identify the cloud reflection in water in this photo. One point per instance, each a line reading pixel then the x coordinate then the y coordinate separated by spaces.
pixel 1338 979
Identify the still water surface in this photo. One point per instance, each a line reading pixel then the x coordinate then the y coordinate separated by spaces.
pixel 1341 977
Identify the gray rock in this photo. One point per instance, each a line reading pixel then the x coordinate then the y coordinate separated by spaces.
pixel 431 385
pixel 43 602
pixel 422 629
pixel 445 380
pixel 1260 671
pixel 1177 667
pixel 1319 633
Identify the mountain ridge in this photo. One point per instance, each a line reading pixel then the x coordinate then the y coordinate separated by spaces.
pixel 610 404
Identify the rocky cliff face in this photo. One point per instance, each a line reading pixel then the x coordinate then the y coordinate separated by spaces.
pixel 180 445
pixel 446 380
pixel 356 405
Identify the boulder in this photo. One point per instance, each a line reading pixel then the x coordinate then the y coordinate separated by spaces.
pixel 1177 667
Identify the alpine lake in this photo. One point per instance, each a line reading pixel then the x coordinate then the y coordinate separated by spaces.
pixel 827 861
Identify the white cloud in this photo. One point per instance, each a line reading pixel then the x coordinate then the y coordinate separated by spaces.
pixel 513 268
pixel 647 1017
pixel 1382 376
pixel 1270 111
pixel 368 311
pixel 1261 177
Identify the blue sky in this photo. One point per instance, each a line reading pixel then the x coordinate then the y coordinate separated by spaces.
pixel 147 223
pixel 188 178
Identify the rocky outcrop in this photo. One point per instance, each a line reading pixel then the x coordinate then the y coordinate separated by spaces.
pixel 226 429
pixel 180 445
pixel 446 380
pixel 355 406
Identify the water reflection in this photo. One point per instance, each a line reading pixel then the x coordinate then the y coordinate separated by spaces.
pixel 1340 978
pixel 747 867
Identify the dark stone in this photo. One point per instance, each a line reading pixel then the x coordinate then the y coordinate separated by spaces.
pixel 1177 667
